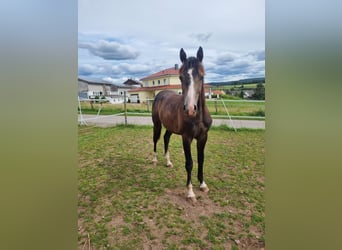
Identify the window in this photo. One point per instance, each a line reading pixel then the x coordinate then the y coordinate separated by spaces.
pixel 158 82
pixel 164 81
pixel 153 82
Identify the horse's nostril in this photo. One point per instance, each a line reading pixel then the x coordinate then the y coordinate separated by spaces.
pixel 184 107
pixel 195 107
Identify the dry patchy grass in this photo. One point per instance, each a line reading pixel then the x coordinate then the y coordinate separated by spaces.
pixel 127 203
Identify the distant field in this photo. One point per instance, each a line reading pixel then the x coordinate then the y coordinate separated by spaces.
pixel 253 85
pixel 124 202
pixel 234 107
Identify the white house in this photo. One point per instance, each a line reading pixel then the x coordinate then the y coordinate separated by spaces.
pixel 113 93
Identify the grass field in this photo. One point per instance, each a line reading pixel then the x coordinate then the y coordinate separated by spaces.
pixel 235 108
pixel 124 202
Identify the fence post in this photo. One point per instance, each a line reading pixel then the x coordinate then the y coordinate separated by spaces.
pixel 216 106
pixel 125 108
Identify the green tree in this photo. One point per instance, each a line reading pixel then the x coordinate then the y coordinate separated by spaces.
pixel 259 92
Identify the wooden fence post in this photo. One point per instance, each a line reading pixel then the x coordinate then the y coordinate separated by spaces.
pixel 125 108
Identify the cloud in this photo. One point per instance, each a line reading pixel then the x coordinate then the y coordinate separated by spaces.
pixel 201 37
pixel 110 50
pixel 233 66
pixel 225 58
pixel 118 72
pixel 259 55
pixel 135 69
pixel 86 70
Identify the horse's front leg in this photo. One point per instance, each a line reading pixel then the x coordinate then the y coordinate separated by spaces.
pixel 188 166
pixel 166 148
pixel 200 158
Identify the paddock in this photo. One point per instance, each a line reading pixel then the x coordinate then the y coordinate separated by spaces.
pixel 127 202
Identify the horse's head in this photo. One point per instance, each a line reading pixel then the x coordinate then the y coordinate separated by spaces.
pixel 191 75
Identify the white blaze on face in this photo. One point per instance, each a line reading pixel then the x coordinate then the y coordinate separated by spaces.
pixel 191 94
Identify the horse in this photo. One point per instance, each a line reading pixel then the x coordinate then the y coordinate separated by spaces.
pixel 186 115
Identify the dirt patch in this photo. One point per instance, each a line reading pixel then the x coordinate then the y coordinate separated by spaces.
pixel 191 212
pixel 204 206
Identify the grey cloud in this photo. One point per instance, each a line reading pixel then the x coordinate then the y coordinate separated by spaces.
pixel 259 55
pixel 226 58
pixel 122 70
pixel 134 68
pixel 201 37
pixel 86 70
pixel 110 50
pixel 233 65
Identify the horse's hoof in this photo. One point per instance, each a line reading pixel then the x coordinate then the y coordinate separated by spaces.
pixel 169 165
pixel 204 187
pixel 192 199
pixel 154 162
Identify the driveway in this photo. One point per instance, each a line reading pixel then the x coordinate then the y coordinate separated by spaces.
pixel 112 120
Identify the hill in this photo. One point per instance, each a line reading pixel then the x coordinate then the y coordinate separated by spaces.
pixel 239 82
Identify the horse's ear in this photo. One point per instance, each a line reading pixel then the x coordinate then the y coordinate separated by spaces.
pixel 200 54
pixel 182 55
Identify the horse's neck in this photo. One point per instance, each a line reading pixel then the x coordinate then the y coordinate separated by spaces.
pixel 201 104
pixel 202 99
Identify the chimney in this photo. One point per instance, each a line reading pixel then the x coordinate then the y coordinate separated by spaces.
pixel 176 66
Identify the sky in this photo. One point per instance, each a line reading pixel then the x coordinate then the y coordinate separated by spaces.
pixel 118 40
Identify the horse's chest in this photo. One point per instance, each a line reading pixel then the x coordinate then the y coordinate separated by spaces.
pixel 195 129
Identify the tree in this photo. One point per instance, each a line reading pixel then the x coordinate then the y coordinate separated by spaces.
pixel 259 92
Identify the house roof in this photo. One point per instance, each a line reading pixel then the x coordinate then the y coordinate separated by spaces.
pixel 131 82
pixel 94 82
pixel 165 72
pixel 217 92
pixel 126 85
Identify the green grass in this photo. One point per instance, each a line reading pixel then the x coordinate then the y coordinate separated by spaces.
pixel 125 202
pixel 235 108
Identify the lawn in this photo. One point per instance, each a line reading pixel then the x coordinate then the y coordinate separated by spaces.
pixel 216 107
pixel 125 202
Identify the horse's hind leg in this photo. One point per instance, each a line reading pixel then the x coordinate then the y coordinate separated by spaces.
pixel 167 136
pixel 156 135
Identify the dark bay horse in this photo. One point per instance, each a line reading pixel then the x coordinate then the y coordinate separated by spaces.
pixel 186 115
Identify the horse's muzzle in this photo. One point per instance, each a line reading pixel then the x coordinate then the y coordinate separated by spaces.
pixel 191 110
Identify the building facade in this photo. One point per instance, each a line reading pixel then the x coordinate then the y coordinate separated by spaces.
pixel 153 84
pixel 167 79
pixel 113 93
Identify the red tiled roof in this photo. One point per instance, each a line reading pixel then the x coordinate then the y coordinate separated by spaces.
pixel 217 92
pixel 165 72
